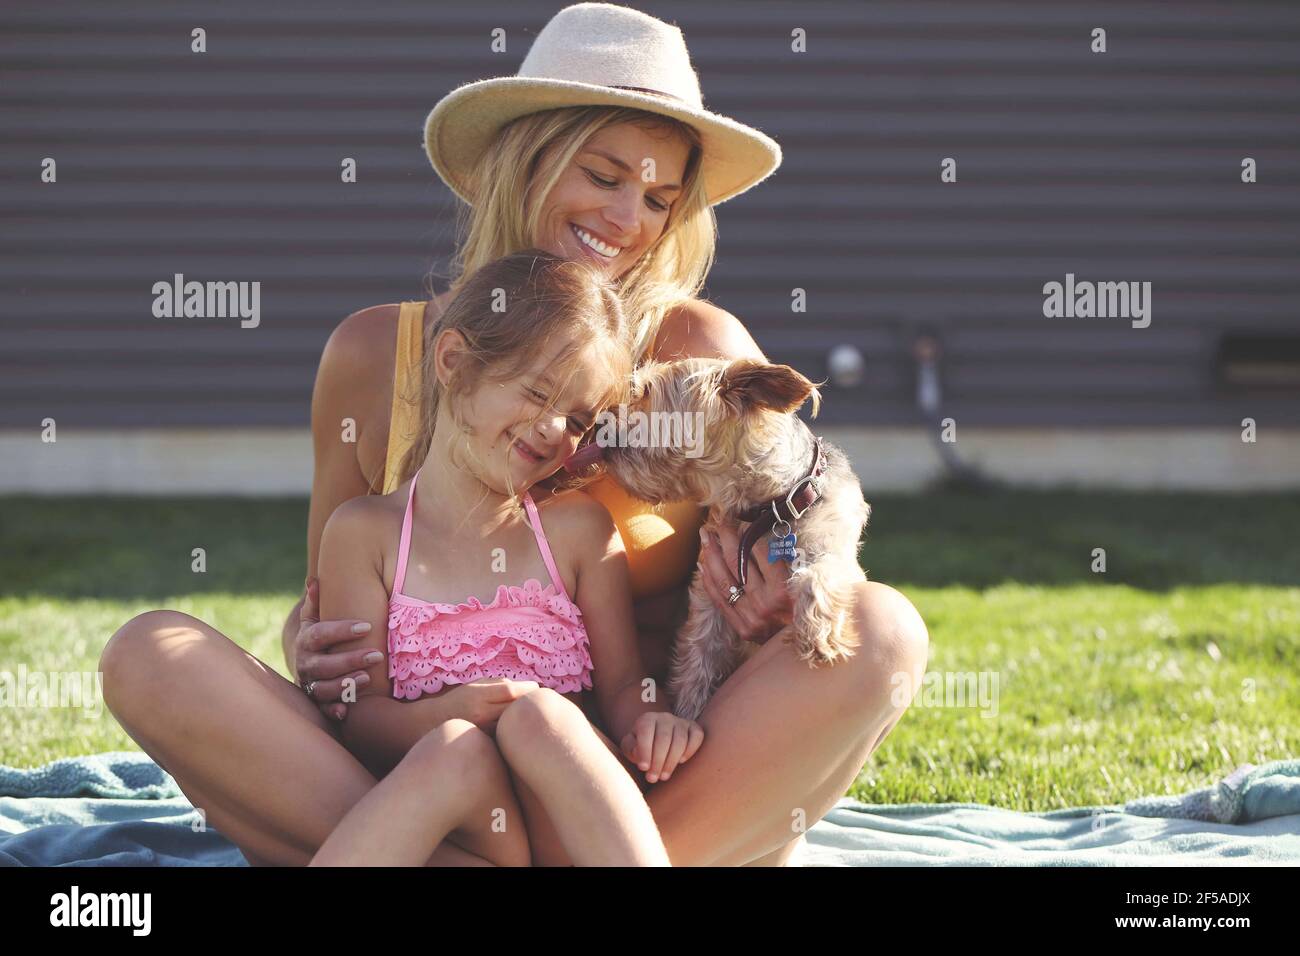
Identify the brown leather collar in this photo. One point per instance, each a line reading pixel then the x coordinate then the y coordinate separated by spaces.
pixel 790 507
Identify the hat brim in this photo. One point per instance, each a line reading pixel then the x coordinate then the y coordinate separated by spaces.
pixel 463 124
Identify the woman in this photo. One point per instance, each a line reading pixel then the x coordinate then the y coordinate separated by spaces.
pixel 599 147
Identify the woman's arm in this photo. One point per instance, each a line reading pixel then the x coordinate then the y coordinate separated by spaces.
pixel 353 372
pixel 353 369
pixel 378 729
pixel 702 330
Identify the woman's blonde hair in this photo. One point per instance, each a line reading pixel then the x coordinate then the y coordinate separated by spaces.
pixel 512 184
pixel 509 312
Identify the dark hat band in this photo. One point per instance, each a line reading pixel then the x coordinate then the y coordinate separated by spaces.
pixel 640 89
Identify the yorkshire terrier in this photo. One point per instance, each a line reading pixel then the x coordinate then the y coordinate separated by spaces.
pixel 760 464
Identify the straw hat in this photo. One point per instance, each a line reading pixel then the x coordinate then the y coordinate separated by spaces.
pixel 598 54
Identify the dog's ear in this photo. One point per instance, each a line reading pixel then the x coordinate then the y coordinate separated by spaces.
pixel 746 385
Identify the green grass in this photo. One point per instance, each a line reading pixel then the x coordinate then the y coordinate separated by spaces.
pixel 1158 676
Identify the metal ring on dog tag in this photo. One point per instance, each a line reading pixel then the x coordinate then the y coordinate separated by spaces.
pixel 780 547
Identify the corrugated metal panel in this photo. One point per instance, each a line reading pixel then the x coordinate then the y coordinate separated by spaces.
pixel 224 166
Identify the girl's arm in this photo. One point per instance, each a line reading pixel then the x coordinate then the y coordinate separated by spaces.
pixel 604 595
pixel 378 729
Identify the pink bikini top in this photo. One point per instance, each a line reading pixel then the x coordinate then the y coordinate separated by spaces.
pixel 528 632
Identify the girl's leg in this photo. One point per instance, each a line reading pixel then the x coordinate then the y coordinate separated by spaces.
pixel 453 779
pixel 245 745
pixel 543 839
pixel 596 810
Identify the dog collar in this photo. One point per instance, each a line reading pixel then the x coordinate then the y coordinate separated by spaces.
pixel 791 507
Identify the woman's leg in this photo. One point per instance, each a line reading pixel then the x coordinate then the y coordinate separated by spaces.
pixel 784 741
pixel 245 745
pixel 453 779
pixel 592 805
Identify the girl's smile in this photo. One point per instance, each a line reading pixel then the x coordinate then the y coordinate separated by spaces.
pixel 520 387
pixel 527 453
pixel 538 424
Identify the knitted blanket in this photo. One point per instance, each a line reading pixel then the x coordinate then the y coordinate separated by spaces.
pixel 122 809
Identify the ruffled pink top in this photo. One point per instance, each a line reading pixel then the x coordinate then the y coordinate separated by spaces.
pixel 527 632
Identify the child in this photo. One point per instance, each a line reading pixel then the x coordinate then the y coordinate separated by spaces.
pixel 531 349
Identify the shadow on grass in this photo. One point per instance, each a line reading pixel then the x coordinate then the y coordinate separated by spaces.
pixel 141 548
pixel 1155 541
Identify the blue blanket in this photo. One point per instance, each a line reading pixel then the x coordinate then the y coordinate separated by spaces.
pixel 122 809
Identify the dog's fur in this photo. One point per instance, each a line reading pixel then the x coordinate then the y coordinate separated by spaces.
pixel 755 449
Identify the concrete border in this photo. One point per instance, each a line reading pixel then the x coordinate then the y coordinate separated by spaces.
pixel 267 461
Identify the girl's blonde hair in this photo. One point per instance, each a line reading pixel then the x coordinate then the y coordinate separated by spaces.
pixel 528 157
pixel 509 312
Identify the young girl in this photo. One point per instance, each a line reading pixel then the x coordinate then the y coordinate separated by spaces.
pixel 475 724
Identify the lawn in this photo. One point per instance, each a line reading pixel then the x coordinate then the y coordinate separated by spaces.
pixel 1163 673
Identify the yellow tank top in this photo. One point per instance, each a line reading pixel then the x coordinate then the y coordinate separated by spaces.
pixel 662 547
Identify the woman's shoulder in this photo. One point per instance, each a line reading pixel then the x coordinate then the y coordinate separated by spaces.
pixel 365 339
pixel 370 334
pixel 358 369
pixel 699 329
pixel 358 355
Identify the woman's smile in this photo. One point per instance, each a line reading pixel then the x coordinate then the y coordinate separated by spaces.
pixel 612 214
pixel 594 246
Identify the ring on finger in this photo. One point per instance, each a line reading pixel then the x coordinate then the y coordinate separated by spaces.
pixel 734 594
pixel 309 687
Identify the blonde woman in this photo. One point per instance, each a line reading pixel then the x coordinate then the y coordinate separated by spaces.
pixel 599 148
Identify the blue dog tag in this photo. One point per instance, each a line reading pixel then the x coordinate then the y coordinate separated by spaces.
pixel 781 548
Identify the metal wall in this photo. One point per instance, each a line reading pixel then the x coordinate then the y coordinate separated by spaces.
pixel 225 166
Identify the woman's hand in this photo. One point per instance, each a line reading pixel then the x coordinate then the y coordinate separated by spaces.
pixel 658 742
pixel 483 702
pixel 312 662
pixel 766 606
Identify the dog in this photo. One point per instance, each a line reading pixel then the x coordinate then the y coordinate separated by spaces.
pixel 757 463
